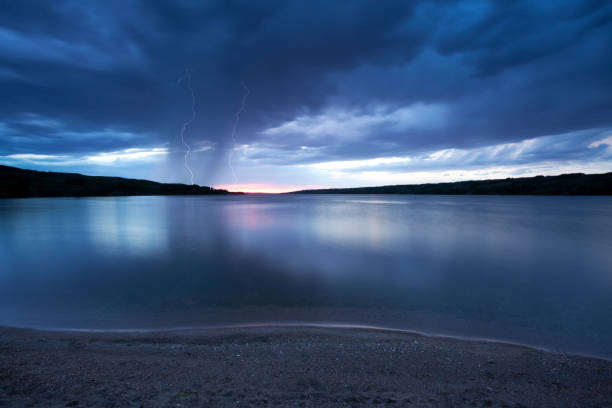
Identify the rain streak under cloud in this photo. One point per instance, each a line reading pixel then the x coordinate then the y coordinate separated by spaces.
pixel 345 93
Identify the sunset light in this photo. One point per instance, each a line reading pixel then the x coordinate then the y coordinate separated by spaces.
pixel 262 188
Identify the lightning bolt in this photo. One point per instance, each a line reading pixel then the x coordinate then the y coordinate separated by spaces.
pixel 187 78
pixel 236 120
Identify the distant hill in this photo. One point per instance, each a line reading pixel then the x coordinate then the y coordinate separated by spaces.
pixel 565 184
pixel 15 182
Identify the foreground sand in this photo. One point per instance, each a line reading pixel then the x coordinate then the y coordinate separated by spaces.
pixel 289 367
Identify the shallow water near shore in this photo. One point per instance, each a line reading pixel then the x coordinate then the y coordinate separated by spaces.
pixel 534 270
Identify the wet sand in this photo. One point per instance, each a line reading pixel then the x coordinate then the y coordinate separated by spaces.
pixel 289 366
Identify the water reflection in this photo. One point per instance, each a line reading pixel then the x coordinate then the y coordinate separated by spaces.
pixel 357 227
pixel 132 225
pixel 534 269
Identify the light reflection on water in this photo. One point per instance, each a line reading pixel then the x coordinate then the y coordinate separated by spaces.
pixel 529 269
pixel 121 226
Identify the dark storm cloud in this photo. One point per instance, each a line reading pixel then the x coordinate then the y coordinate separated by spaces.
pixel 495 38
pixel 102 76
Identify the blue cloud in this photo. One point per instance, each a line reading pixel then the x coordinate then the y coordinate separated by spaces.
pixel 329 81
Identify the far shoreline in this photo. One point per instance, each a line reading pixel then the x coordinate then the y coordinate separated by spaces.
pixel 23 183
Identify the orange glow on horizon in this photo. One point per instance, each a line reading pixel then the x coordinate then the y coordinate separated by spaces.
pixel 262 188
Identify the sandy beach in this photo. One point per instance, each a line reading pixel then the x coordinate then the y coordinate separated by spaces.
pixel 289 366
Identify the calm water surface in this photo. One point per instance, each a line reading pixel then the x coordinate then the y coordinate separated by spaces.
pixel 536 270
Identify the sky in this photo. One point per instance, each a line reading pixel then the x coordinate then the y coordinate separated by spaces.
pixel 281 95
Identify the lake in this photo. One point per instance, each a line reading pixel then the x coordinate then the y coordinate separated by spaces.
pixel 533 270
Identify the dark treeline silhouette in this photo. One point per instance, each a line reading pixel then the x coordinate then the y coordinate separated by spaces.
pixel 15 182
pixel 565 184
